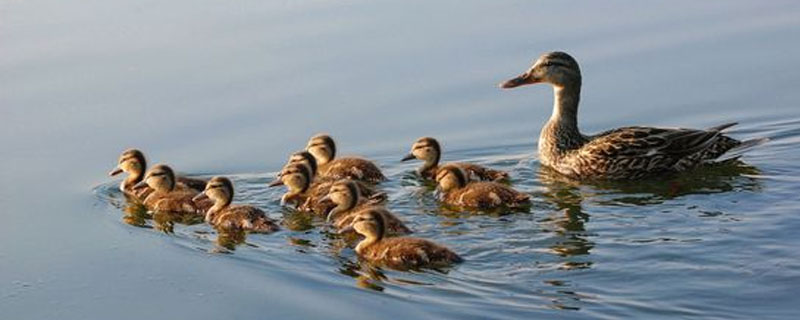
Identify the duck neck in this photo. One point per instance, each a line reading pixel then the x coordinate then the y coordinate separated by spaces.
pixel 132 179
pixel 369 240
pixel 219 205
pixel 430 163
pixel 561 133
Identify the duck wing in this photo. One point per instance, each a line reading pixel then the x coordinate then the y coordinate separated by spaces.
pixel 636 142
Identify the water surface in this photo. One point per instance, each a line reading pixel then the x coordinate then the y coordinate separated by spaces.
pixel 222 88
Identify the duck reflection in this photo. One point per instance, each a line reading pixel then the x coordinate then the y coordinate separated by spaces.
pixel 230 238
pixel 730 176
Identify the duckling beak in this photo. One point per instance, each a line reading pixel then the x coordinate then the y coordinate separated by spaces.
pixel 326 198
pixel 200 196
pixel 408 157
pixel 277 182
pixel 140 185
pixel 521 80
pixel 347 230
pixel 115 172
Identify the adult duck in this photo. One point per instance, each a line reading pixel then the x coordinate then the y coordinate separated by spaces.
pixel 623 153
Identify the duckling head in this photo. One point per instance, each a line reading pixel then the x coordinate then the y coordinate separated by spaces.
pixel 160 178
pixel 426 149
pixel 132 162
pixel 556 68
pixel 322 147
pixel 296 177
pixel 306 158
pixel 370 223
pixel 451 177
pixel 344 194
pixel 220 190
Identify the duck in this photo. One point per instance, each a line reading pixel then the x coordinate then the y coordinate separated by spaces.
pixel 401 253
pixel 306 192
pixel 429 150
pixel 132 162
pixel 458 191
pixel 227 216
pixel 166 196
pixel 624 153
pixel 323 148
pixel 348 202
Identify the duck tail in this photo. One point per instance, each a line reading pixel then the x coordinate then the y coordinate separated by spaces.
pixel 722 126
pixel 737 151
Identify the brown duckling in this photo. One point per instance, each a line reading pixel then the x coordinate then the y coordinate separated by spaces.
pixel 429 150
pixel 401 253
pixel 307 192
pixel 323 149
pixel 349 202
pixel 227 216
pixel 457 190
pixel 132 161
pixel 166 196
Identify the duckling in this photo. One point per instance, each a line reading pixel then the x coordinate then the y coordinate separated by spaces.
pixel 165 196
pixel 400 253
pixel 349 202
pixel 458 191
pixel 227 216
pixel 428 150
pixel 132 161
pixel 623 153
pixel 307 193
pixel 323 149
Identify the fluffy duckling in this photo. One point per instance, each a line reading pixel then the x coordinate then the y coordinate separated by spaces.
pixel 227 216
pixel 429 150
pixel 623 153
pixel 165 196
pixel 323 149
pixel 401 253
pixel 307 193
pixel 349 202
pixel 132 162
pixel 457 190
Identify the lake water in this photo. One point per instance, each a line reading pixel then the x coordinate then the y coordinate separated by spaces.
pixel 231 88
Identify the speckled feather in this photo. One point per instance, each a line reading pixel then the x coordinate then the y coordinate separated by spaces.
pixel 243 217
pixel 485 195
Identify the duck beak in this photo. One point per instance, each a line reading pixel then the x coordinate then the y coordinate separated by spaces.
pixel 277 182
pixel 115 172
pixel 200 196
pixel 327 197
pixel 140 185
pixel 521 80
pixel 347 230
pixel 408 157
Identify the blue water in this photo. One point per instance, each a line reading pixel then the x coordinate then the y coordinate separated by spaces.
pixel 232 88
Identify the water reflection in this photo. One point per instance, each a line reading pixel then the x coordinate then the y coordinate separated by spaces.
pixel 719 178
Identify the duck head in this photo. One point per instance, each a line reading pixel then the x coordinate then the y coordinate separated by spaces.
pixel 132 162
pixel 556 68
pixel 296 177
pixel 426 149
pixel 344 194
pixel 322 147
pixel 306 158
pixel 370 223
pixel 220 190
pixel 160 178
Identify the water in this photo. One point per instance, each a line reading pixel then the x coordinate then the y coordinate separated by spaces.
pixel 233 88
